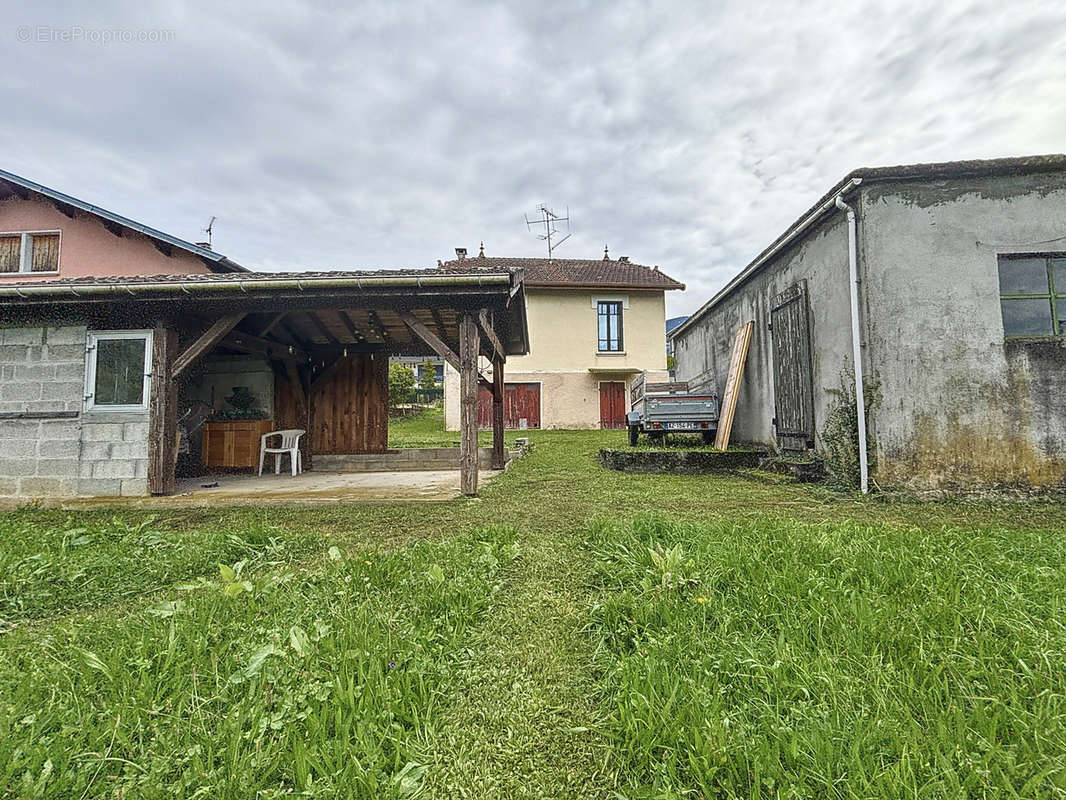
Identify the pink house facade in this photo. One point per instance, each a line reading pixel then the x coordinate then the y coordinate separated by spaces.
pixel 47 235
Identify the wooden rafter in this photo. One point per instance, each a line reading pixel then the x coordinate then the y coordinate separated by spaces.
pixel 377 326
pixel 320 326
pixel 273 323
pixel 208 339
pixel 248 343
pixel 430 338
pixel 442 332
pixel 486 328
pixel 350 326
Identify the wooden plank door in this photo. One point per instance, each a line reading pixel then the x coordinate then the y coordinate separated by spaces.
pixel 793 376
pixel 612 404
pixel 521 401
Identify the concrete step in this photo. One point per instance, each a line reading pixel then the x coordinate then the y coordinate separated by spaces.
pixel 411 459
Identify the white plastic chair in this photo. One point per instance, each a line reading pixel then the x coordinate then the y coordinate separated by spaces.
pixel 290 443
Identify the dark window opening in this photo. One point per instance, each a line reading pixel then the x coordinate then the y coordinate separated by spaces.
pixel 610 326
pixel 1032 295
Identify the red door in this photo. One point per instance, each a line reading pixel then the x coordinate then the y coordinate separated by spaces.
pixel 612 404
pixel 521 401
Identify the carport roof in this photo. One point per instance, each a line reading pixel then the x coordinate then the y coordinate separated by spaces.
pixel 311 310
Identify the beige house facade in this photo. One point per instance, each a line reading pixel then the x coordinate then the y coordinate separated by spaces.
pixel 593 326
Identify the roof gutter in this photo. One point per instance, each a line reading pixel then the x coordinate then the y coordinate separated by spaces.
pixel 759 262
pixel 137 289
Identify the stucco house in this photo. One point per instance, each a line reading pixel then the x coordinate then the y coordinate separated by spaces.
pixel 948 281
pixel 593 325
pixel 114 335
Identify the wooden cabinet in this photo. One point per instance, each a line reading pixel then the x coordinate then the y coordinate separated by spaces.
pixel 234 443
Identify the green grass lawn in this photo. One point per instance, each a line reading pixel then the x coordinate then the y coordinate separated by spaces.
pixel 572 632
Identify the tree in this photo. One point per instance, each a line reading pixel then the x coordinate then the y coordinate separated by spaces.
pixel 428 377
pixel 401 385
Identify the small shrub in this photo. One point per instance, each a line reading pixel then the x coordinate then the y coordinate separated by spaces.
pixel 840 434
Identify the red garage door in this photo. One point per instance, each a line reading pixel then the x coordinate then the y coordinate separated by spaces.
pixel 521 401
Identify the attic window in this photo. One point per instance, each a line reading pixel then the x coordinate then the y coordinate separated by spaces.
pixel 37 251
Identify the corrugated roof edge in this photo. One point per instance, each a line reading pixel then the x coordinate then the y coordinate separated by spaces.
pixel 217 259
pixel 1054 162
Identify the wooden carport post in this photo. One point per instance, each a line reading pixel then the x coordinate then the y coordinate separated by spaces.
pixel 498 461
pixel 162 412
pixel 468 385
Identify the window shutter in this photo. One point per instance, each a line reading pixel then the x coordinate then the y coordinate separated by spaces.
pixel 10 253
pixel 45 252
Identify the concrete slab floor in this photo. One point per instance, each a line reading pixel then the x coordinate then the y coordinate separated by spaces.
pixel 307 489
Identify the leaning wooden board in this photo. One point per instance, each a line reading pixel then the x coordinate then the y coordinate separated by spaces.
pixel 732 384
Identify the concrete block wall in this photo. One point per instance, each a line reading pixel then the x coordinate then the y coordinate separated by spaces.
pixel 42 372
pixel 114 454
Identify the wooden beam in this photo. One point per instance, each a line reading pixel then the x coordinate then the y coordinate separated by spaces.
pixel 490 333
pixel 207 340
pixel 438 346
pixel 350 326
pixel 377 326
pixel 273 323
pixel 442 332
pixel 732 385
pixel 321 326
pixel 498 458
pixel 162 413
pixel 268 348
pixel 468 386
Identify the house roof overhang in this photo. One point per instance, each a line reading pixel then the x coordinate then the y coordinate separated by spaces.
pixel 12 184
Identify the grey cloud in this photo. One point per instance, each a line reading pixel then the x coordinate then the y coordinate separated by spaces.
pixel 683 134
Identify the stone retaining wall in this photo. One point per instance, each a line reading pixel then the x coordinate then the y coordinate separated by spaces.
pixel 679 461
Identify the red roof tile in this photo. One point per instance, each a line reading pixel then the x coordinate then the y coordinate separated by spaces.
pixel 562 272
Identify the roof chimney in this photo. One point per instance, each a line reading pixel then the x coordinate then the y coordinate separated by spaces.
pixel 204 245
pixel 460 253
pixel 624 259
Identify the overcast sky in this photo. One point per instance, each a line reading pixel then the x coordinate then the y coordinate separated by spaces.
pixel 687 135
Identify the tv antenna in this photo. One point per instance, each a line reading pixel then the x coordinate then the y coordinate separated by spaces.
pixel 548 219
pixel 210 227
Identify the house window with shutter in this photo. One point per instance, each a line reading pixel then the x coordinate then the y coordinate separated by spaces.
pixel 35 251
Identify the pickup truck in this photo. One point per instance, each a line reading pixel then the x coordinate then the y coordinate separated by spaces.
pixel 676 407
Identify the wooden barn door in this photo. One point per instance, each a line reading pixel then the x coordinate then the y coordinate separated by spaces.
pixel 350 407
pixel 521 401
pixel 793 378
pixel 612 404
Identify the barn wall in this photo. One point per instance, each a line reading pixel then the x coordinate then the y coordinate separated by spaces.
pixel 821 258
pixel 960 406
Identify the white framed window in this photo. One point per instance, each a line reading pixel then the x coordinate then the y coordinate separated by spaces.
pixel 35 252
pixel 118 370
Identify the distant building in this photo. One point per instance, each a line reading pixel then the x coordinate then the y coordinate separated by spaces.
pixel 672 324
pixel 418 363
pixel 961 311
pixel 593 325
